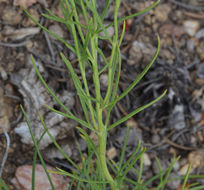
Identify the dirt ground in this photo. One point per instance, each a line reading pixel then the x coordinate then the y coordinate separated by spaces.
pixel 174 125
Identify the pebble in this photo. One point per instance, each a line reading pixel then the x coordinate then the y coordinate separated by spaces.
pixel 3 73
pixel 111 153
pixel 168 29
pixel 55 28
pixel 24 3
pixel 110 31
pixel 176 166
pixel 183 169
pixel 200 50
pixel 191 44
pixel 155 139
pixel 191 27
pixel 53 152
pixel 200 71
pixel 200 33
pixel 161 12
pixel 196 158
pixel 104 80
pixel 27 22
pixel 134 136
pixel 140 51
pixel 23 179
pixel 11 16
pixel 177 119
pixel 6 112
pixel 167 55
pixel 146 160
pixel 175 183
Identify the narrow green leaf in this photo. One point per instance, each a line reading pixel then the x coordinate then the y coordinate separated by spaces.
pixel 108 2
pixel 162 184
pixel 186 177
pixel 134 15
pixel 100 22
pixel 160 169
pixel 34 161
pixel 3 185
pixel 131 164
pixel 48 89
pixel 56 144
pixel 127 163
pixel 140 169
pixel 136 111
pixel 49 32
pixel 62 172
pixel 141 12
pixel 139 77
pixel 78 86
pixel 201 187
pixel 88 33
pixel 36 147
pixel 122 34
pixel 124 147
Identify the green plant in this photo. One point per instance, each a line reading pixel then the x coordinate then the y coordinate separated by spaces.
pixel 87 50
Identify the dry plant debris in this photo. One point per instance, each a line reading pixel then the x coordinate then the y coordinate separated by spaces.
pixel 35 98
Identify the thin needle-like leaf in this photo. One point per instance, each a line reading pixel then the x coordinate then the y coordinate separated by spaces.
pixel 136 111
pixel 36 147
pixel 49 32
pixel 138 79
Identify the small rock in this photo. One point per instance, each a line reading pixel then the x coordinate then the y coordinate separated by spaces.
pixel 200 50
pixel 27 22
pixel 200 33
pixel 199 82
pixel 94 137
pixel 3 73
pixel 24 3
pixel 173 151
pixel 104 80
pixel 177 119
pixel 176 166
pixel 131 123
pixel 167 55
pixel 191 44
pixel 161 12
pixel 155 166
pixel 53 152
pixel 183 170
pixel 110 31
pixel 111 153
pixel 6 113
pixel 23 179
pixel 11 16
pixel 175 183
pixel 146 159
pixel 169 29
pixel 35 96
pixel 196 158
pixel 55 28
pixel 140 51
pixel 134 137
pixel 191 27
pixel 200 71
pixel 155 139
pixel 19 34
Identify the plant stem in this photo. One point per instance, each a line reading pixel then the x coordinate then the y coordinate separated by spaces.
pixel 102 135
pixel 102 153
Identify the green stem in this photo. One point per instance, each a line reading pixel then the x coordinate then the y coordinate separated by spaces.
pixel 102 135
pixel 102 154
